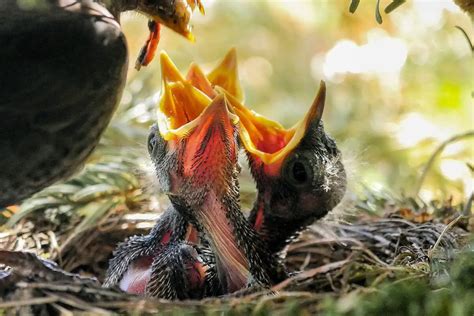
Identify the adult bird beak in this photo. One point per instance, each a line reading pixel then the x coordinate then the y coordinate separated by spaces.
pixel 172 14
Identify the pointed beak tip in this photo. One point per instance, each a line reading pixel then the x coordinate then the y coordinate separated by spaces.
pixel 231 58
pixel 189 36
pixel 169 71
pixel 322 87
pixel 164 58
pixel 218 109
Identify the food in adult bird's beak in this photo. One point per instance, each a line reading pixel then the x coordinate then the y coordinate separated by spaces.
pixel 147 53
pixel 175 15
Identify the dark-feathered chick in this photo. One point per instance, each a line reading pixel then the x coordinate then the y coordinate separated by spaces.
pixel 298 171
pixel 197 166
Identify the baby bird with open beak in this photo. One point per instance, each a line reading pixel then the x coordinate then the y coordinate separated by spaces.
pixel 196 163
pixel 298 171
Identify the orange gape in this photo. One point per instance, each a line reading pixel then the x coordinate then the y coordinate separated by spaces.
pixel 148 50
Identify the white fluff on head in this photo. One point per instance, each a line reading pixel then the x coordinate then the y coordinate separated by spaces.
pixel 351 160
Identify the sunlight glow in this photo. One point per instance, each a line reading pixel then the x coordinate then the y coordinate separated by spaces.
pixel 430 13
pixel 256 71
pixel 414 128
pixel 208 3
pixel 301 11
pixel 382 55
pixel 426 195
pixel 454 169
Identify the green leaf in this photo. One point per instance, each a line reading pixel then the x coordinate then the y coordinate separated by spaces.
pixel 92 213
pixel 353 6
pixel 94 192
pixel 392 6
pixel 378 17
pixel 60 189
pixel 32 205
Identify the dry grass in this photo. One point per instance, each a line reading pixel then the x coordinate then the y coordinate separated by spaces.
pixel 334 261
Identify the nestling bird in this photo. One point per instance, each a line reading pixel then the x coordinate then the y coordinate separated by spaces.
pixel 197 166
pixel 63 68
pixel 132 265
pixel 274 231
pixel 189 131
pixel 168 254
pixel 298 171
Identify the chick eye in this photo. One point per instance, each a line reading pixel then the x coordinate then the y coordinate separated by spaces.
pixel 151 142
pixel 298 172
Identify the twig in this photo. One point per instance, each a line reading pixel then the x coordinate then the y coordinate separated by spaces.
pixel 33 301
pixel 467 209
pixel 310 273
pixel 79 304
pixel 471 46
pixel 448 227
pixel 370 254
pixel 436 153
pixel 378 17
pixel 464 213
pixel 72 288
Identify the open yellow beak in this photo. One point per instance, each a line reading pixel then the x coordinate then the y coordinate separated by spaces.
pixel 267 140
pixel 181 104
pixel 224 75
pixel 184 99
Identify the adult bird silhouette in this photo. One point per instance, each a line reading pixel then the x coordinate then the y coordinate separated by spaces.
pixel 63 67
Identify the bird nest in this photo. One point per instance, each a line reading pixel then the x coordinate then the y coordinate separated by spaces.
pixel 331 261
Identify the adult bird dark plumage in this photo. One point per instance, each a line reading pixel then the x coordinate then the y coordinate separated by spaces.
pixel 63 67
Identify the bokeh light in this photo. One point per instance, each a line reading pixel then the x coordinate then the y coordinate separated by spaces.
pixel 395 90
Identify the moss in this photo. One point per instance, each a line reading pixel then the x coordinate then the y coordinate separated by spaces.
pixel 450 296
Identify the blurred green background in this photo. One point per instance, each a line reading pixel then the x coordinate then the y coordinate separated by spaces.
pixel 395 90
